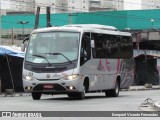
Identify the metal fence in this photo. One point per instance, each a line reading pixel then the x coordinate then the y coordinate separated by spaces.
pixel 14 36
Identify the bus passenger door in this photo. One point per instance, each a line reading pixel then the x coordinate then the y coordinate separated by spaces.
pixel 86 62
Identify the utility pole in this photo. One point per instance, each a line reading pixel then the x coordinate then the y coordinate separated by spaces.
pixel 48 17
pixel 23 23
pixel 152 21
pixel 37 18
pixel 12 37
pixel 70 17
pixel 138 37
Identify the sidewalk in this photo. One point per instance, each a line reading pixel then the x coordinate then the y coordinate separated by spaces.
pixel 16 94
pixel 156 104
pixel 139 88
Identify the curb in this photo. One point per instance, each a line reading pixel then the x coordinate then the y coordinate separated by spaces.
pixel 140 89
pixel 157 106
pixel 15 95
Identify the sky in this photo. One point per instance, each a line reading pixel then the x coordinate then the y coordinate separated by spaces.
pixel 132 4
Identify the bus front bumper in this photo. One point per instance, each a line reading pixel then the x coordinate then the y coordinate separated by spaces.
pixel 60 86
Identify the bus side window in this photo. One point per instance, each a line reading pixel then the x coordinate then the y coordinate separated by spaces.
pixel 85 50
pixel 126 47
pixel 100 45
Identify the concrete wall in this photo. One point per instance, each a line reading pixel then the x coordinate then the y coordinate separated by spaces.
pixel 141 19
pixel 135 20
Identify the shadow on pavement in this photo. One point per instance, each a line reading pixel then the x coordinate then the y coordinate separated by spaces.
pixel 86 98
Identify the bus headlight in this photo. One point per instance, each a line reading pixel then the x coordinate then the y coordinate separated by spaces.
pixel 71 77
pixel 28 77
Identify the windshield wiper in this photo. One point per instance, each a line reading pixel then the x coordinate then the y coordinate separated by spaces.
pixel 42 57
pixel 62 55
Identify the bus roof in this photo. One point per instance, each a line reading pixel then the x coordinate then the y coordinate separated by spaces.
pixel 95 28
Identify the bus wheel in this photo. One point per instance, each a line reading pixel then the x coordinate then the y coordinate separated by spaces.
pixel 36 95
pixel 71 95
pixel 81 95
pixel 114 92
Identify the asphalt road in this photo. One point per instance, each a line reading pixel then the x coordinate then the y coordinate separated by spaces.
pixel 127 101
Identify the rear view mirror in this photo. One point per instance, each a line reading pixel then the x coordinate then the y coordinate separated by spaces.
pixel 24 44
pixel 92 44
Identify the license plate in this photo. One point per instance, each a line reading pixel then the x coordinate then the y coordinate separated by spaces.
pixel 48 86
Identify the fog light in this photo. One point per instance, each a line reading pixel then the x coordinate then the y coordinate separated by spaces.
pixel 71 87
pixel 28 87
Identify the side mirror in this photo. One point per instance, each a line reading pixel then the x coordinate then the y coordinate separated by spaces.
pixel 92 44
pixel 24 44
pixel 22 47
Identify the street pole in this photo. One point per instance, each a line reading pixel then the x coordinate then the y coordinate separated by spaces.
pixel 23 29
pixel 70 17
pixel 152 21
pixel 12 37
pixel 21 22
pixel 137 40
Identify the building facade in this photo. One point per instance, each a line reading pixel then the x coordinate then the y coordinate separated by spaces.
pixel 94 5
pixel 57 6
pixel 150 4
pixel 61 6
pixel 21 6
pixel 71 6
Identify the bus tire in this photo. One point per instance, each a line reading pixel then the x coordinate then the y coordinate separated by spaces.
pixel 71 95
pixel 113 92
pixel 36 95
pixel 81 95
pixel 86 85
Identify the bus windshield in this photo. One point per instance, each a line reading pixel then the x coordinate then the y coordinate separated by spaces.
pixel 53 47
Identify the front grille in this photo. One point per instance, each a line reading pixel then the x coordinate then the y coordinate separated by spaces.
pixel 48 70
pixel 48 79
pixel 55 87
